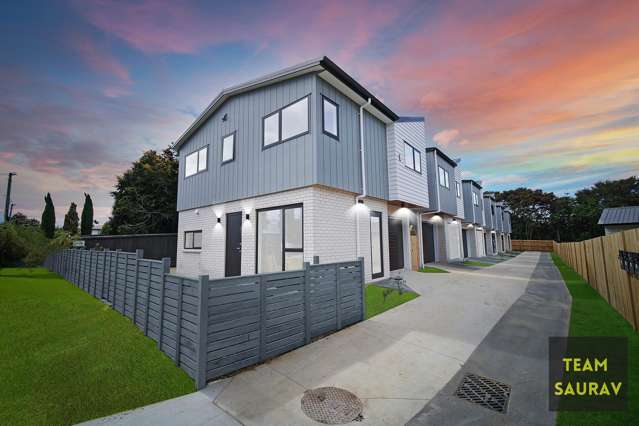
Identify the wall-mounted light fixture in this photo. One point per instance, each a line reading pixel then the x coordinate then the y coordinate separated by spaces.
pixel 219 220
pixel 225 117
pixel 360 201
pixel 402 204
pixel 248 216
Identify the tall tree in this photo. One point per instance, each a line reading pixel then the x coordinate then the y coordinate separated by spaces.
pixel 48 217
pixel 87 215
pixel 146 196
pixel 71 220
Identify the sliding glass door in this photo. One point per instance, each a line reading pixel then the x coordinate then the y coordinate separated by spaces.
pixel 280 239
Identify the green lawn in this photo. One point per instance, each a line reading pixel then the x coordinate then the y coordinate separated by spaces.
pixel 375 303
pixel 65 357
pixel 476 263
pixel 432 269
pixel 591 315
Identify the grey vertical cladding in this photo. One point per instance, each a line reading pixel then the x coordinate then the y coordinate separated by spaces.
pixel 447 202
pixel 213 327
pixel 254 170
pixel 469 207
pixel 488 217
pixel 478 209
pixel 338 161
pixel 432 172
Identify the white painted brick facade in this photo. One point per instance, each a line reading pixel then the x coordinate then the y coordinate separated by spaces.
pixel 329 230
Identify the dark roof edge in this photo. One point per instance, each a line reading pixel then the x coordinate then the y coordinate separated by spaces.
pixel 356 87
pixel 478 186
pixel 410 119
pixel 442 154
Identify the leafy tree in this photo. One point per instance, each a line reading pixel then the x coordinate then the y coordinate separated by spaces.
pixel 48 217
pixel 87 216
pixel 22 220
pixel 12 247
pixel 146 196
pixel 71 220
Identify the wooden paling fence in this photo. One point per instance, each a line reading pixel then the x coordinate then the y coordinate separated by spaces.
pixel 213 327
pixel 597 261
pixel 532 245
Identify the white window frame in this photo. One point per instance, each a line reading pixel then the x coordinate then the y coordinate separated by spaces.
pixel 202 163
pixel 283 246
pixel 443 176
pixel 279 121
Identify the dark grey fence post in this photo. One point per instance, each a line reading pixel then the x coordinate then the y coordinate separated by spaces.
pixel 139 254
pixel 338 298
pixel 307 302
pixel 178 325
pixel 262 317
pixel 115 281
pixel 104 262
pixel 363 273
pixel 148 299
pixel 166 268
pixel 203 318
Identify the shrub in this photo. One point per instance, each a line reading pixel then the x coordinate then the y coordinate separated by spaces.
pixel 12 247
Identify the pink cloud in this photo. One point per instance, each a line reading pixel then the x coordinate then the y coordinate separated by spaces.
pixel 445 137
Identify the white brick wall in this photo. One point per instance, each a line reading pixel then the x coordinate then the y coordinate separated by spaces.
pixel 329 230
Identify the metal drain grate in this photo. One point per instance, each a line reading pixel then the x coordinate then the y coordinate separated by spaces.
pixel 483 391
pixel 332 406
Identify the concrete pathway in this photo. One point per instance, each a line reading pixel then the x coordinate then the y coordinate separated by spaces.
pixel 395 362
pixel 519 341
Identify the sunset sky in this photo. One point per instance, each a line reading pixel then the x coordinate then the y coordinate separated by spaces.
pixel 538 94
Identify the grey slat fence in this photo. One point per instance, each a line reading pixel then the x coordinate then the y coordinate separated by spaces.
pixel 248 319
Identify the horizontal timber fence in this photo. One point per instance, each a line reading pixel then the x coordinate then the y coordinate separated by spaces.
pixel 532 245
pixel 210 328
pixel 155 246
pixel 598 261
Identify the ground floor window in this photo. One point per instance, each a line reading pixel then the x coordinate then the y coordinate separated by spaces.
pixel 280 239
pixel 377 264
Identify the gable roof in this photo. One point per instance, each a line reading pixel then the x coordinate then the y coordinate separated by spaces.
pixel 314 65
pixel 619 216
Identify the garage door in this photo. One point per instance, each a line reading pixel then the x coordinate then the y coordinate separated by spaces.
pixel 395 243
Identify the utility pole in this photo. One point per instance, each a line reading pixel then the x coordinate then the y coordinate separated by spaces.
pixel 7 204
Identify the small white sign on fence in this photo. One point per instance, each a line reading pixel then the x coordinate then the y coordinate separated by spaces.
pixel 78 243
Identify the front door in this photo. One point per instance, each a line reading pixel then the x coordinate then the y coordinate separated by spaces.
pixel 395 243
pixel 428 236
pixel 465 242
pixel 494 243
pixel 233 264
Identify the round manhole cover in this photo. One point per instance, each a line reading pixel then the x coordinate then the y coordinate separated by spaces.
pixel 332 406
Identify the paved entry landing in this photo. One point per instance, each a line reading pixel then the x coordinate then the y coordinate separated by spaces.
pixel 514 353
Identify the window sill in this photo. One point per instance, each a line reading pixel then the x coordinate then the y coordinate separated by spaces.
pixel 191 250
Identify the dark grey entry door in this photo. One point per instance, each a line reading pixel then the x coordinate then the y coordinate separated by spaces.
pixel 395 243
pixel 465 241
pixel 428 237
pixel 233 263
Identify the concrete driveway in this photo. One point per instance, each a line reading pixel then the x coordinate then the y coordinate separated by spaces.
pixel 395 362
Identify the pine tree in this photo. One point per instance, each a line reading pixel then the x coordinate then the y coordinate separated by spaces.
pixel 87 216
pixel 71 220
pixel 48 217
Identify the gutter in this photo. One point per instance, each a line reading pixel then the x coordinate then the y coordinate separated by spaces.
pixel 362 157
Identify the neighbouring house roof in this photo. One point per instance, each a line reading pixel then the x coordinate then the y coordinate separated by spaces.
pixel 619 216
pixel 315 65
pixel 443 155
pixel 474 183
pixel 410 119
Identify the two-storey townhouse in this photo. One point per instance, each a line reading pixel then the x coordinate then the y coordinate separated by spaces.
pixel 287 168
pixel 441 224
pixel 473 222
pixel 408 194
pixel 490 224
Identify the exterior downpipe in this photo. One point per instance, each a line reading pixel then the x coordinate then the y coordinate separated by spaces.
pixel 362 157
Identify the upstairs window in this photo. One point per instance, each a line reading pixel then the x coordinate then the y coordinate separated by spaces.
pixel 330 118
pixel 412 157
pixel 458 189
pixel 286 123
pixel 196 162
pixel 193 239
pixel 475 199
pixel 444 178
pixel 228 148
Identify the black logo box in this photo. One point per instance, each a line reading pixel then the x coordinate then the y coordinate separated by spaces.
pixel 603 362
